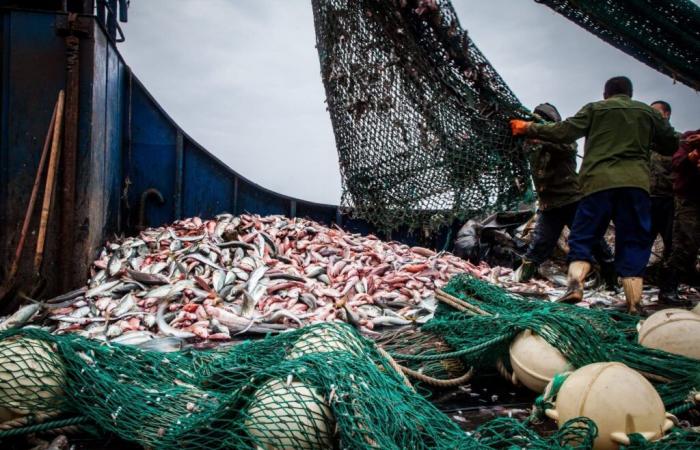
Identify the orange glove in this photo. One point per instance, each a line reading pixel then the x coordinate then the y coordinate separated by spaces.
pixel 519 127
pixel 694 156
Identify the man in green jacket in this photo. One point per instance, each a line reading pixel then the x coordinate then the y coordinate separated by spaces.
pixel 615 178
pixel 556 182
pixel 662 207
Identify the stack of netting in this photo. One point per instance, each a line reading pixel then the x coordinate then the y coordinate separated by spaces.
pixel 482 337
pixel 664 34
pixel 320 387
pixel 420 116
pixel 316 388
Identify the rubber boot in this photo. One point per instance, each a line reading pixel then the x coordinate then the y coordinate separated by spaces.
pixel 609 275
pixel 668 290
pixel 526 271
pixel 633 294
pixel 577 274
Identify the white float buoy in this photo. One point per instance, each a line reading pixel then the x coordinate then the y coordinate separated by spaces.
pixel 31 378
pixel 672 330
pixel 289 415
pixel 618 399
pixel 535 361
pixel 322 340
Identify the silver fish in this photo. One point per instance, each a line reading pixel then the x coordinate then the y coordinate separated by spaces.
pixel 162 345
pixel 167 329
pixel 83 311
pixel 390 320
pixel 20 317
pixel 147 278
pixel 113 331
pixel 125 304
pixel 255 278
pixel 204 260
pixel 102 288
pixel 133 338
pixel 114 265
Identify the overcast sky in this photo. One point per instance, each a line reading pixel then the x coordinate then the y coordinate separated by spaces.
pixel 242 77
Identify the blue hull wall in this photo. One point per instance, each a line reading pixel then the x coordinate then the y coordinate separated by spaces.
pixel 127 144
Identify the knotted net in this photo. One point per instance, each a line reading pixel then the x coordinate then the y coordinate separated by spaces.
pixel 664 34
pixel 420 116
pixel 320 387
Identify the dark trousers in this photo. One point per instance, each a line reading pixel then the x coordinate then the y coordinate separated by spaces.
pixel 686 237
pixel 662 222
pixel 630 211
pixel 548 228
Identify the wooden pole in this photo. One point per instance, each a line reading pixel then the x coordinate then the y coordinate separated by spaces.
pixel 50 183
pixel 32 199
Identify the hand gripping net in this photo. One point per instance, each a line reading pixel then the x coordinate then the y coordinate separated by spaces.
pixel 420 116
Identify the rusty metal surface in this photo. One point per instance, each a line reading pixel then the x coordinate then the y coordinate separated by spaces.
pixel 70 143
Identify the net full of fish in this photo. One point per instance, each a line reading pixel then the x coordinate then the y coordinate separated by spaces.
pixel 215 279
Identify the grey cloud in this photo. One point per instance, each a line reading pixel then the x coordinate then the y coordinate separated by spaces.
pixel 242 77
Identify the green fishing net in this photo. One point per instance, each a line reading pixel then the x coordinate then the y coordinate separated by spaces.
pixel 583 335
pixel 420 116
pixel 320 387
pixel 664 34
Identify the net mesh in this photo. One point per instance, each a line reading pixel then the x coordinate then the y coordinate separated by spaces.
pixel 664 34
pixel 583 336
pixel 320 387
pixel 420 116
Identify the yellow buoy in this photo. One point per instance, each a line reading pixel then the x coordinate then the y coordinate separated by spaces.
pixel 535 361
pixel 31 378
pixel 618 399
pixel 289 415
pixel 324 339
pixel 672 330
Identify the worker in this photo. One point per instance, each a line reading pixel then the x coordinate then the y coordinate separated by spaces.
pixel 661 190
pixel 614 181
pixel 686 223
pixel 556 182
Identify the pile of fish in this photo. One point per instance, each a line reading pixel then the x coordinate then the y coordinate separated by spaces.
pixel 214 279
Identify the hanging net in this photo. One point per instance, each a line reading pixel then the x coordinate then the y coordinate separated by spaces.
pixel 664 34
pixel 420 116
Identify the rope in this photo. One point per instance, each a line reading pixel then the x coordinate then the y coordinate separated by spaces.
pixel 452 382
pixel 39 427
pixel 453 301
pixel 505 373
pixel 682 408
pixel 396 366
pixel 25 420
pixel 455 354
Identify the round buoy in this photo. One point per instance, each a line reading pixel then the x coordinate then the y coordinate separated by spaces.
pixel 672 330
pixel 31 378
pixel 618 399
pixel 289 415
pixel 535 361
pixel 324 339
